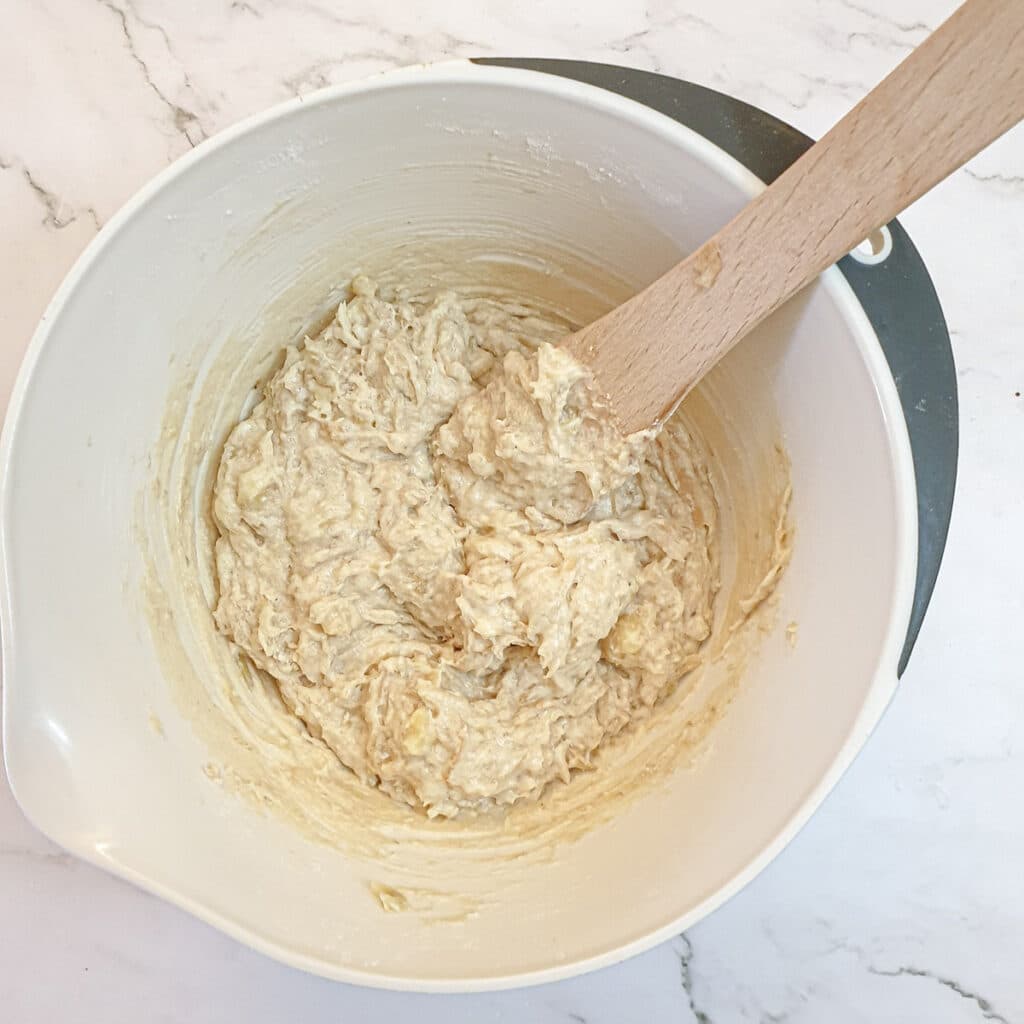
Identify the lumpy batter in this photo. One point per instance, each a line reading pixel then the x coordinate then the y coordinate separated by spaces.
pixel 460 576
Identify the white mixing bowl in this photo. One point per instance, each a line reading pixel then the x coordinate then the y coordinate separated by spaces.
pixel 106 761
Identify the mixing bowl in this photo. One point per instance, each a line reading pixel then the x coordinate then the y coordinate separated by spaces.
pixel 545 182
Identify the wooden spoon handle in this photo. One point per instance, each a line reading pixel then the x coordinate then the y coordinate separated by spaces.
pixel 959 90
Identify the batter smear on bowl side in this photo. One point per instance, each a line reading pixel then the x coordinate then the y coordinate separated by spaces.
pixel 460 576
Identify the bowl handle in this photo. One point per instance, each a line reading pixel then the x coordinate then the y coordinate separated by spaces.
pixel 893 288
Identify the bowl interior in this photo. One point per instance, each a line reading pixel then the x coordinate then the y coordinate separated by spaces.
pixel 479 174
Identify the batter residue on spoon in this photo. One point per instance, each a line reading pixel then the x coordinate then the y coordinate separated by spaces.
pixel 460 576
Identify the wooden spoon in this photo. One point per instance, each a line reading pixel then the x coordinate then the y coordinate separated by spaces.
pixel 959 90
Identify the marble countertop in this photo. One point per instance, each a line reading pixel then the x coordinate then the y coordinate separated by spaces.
pixel 903 900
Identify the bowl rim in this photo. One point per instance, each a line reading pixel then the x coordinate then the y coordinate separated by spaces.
pixel 464 73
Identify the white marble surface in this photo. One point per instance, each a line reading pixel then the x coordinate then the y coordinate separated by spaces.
pixel 903 900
